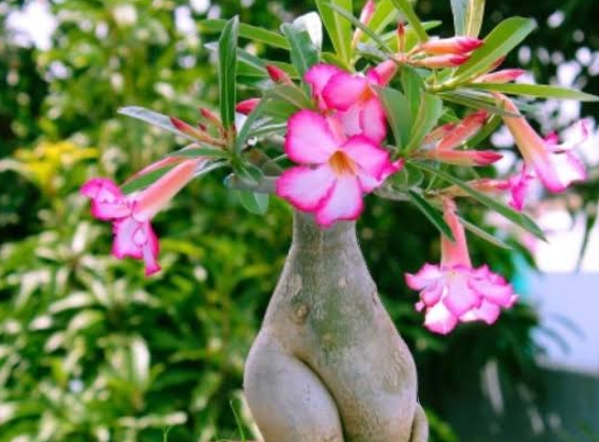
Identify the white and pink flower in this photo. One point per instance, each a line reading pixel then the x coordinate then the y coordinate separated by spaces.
pixel 335 170
pixel 454 291
pixel 131 214
pixel 556 165
pixel 353 98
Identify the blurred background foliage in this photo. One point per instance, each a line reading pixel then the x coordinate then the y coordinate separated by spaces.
pixel 90 350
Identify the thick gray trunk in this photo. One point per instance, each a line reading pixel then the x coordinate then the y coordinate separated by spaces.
pixel 328 364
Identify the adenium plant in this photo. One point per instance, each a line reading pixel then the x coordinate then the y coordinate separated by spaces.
pixel 383 108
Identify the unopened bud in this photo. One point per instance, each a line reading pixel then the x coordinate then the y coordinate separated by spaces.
pixel 503 76
pixel 278 75
pixel 246 107
pixel 441 61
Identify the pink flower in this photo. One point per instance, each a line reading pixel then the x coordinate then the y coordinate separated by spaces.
pixel 517 185
pixel 455 291
pixel 131 214
pixel 335 171
pixel 503 76
pixel 441 61
pixel 454 45
pixel 450 136
pixel 353 97
pixel 556 166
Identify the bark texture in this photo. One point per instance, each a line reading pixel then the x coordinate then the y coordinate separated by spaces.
pixel 328 364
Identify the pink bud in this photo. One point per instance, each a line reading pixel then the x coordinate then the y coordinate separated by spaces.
pixel 439 132
pixel 441 61
pixel 365 17
pixel 385 71
pixel 193 132
pixel 455 45
pixel 247 106
pixel 466 129
pixel 278 75
pixel 210 117
pixel 503 76
pixel 401 37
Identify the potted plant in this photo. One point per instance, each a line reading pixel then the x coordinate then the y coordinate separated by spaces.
pixel 391 112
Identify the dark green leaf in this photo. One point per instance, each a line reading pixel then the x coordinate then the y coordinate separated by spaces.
pixel 484 235
pixel 412 87
pixel 339 29
pixel 536 90
pixel 517 218
pixel 431 213
pixel 304 54
pixel 475 101
pixel 247 31
pixel 398 114
pixel 505 37
pixel 405 7
pixel 290 94
pixel 227 57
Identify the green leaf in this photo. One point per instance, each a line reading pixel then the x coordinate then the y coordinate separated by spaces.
pixel 535 90
pixel 227 66
pixel 350 17
pixel 154 118
pixel 468 16
pixel 398 114
pixel 429 112
pixel 304 54
pixel 484 235
pixel 505 37
pixel 431 213
pixel 339 29
pixel 405 7
pixel 247 31
pixel 412 87
pixel 290 94
pixel 475 101
pixel 256 203
pixel 384 14
pixel 517 218
pixel 199 152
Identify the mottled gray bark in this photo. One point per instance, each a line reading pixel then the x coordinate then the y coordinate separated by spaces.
pixel 328 364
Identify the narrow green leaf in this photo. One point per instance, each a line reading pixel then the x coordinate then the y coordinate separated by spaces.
pixel 350 17
pixel 484 235
pixel 517 218
pixel 304 54
pixel 535 90
pixel 290 94
pixel 154 118
pixel 505 37
pixel 145 180
pixel 198 152
pixel 339 30
pixel 384 14
pixel 398 114
pixel 467 16
pixel 256 203
pixel 474 101
pixel 412 86
pixel 429 112
pixel 247 31
pixel 405 7
pixel 431 213
pixel 227 57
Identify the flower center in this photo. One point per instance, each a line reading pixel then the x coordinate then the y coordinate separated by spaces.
pixel 342 164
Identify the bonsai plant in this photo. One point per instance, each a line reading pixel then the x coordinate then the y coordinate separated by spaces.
pixel 389 111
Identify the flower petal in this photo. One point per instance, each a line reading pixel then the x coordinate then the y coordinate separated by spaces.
pixel 108 202
pixel 439 319
pixel 127 238
pixel 318 76
pixel 487 312
pixel 309 139
pixel 372 159
pixel 344 90
pixel 460 297
pixel 426 276
pixel 344 202
pixel 373 120
pixel 304 187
